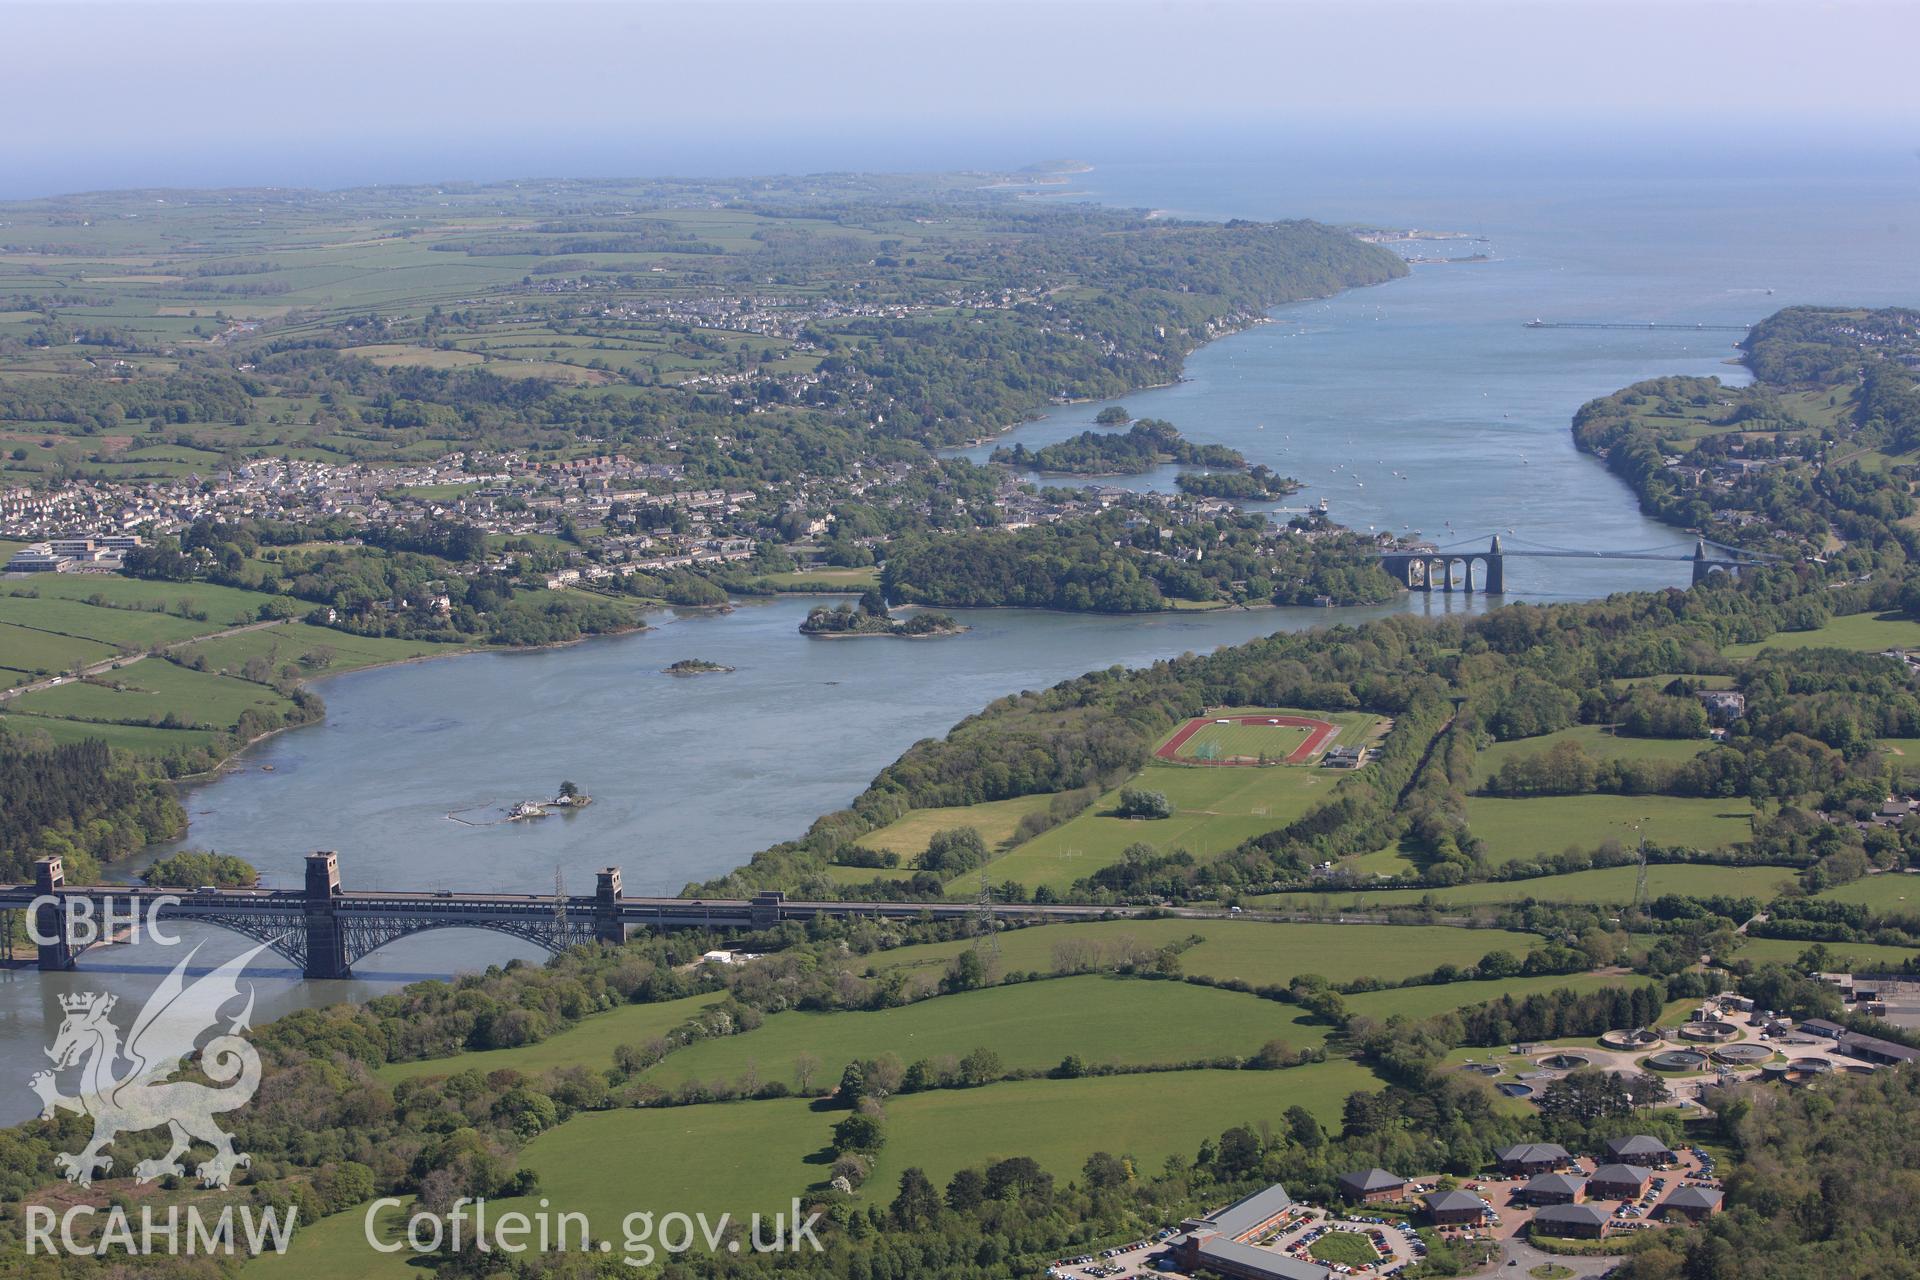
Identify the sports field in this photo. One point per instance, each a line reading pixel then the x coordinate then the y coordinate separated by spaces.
pixel 1255 737
pixel 1247 740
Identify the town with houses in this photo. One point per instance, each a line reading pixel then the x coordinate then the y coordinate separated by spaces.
pixel 84 525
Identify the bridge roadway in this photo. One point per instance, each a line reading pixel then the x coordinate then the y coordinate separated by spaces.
pixel 324 929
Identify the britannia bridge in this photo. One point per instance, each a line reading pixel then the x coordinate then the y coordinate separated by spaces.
pixel 324 929
pixel 1431 568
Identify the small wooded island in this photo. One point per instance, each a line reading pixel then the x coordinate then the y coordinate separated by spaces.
pixel 1148 443
pixel 871 618
pixel 696 667
pixel 1251 485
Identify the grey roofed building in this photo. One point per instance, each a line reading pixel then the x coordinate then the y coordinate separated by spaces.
pixel 1454 1206
pixel 1216 1253
pixel 1554 1188
pixel 1248 1214
pixel 1694 1202
pixel 1874 1049
pixel 1619 1180
pixel 1572 1219
pixel 1639 1147
pixel 1822 1027
pixel 1533 1155
pixel 1363 1184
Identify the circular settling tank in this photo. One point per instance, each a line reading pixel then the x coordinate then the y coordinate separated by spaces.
pixel 1742 1055
pixel 1812 1066
pixel 1564 1062
pixel 1677 1060
pixel 1711 1031
pixel 1514 1089
pixel 1640 1039
pixel 1482 1068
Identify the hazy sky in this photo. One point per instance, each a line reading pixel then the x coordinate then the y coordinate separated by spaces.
pixel 335 91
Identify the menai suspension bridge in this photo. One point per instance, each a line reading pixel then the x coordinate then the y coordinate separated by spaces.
pixel 1430 567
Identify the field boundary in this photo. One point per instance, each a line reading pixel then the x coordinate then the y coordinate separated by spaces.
pixel 1320 733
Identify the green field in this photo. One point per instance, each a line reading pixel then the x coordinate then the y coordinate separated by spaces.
pixel 826 581
pixel 27 654
pixel 1517 830
pixel 1424 1002
pixel 1860 632
pixel 125 630
pixel 312 650
pixel 129 737
pixel 1597 741
pixel 1251 951
pixel 1061 1122
pixel 337 1246
pixel 1864 955
pixel 1610 885
pixel 995 821
pixel 1214 811
pixel 734 1157
pixel 1106 1021
pixel 739 1157
pixel 1891 891
pixel 588 1043
pixel 149 691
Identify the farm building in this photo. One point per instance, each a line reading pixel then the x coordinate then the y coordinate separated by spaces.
pixel 1554 1188
pixel 1532 1157
pixel 1455 1209
pixel 1641 1149
pixel 1580 1221
pixel 1619 1182
pixel 1693 1203
pixel 1368 1185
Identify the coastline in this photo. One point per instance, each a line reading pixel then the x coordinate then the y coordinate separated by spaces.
pixel 229 761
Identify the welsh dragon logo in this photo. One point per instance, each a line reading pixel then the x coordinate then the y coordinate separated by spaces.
pixel 143 1095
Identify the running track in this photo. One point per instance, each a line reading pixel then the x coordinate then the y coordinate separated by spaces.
pixel 1321 731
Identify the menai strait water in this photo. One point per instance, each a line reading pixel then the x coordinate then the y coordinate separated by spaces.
pixel 1434 376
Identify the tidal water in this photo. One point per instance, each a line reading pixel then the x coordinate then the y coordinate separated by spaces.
pixel 1434 377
